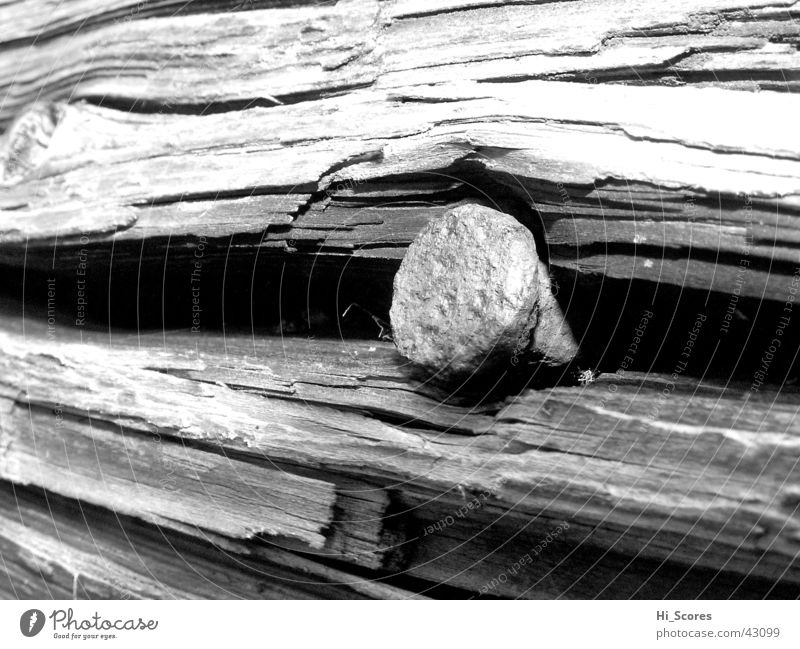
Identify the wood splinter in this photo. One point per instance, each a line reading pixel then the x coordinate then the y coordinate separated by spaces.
pixel 472 295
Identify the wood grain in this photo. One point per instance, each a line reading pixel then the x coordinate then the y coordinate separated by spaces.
pixel 707 485
pixel 682 190
pixel 199 55
pixel 643 142
pixel 55 548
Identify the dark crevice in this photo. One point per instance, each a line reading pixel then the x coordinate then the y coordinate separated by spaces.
pixel 153 106
pixel 240 192
pixel 293 280
pixel 756 77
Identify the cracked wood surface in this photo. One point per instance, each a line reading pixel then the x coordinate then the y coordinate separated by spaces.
pixel 166 484
pixel 652 183
pixel 640 140
pixel 55 548
pixel 707 487
pixel 200 53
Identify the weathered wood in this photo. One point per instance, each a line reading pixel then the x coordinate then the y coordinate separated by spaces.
pixel 124 53
pixel 660 193
pixel 167 484
pixel 55 548
pixel 263 136
pixel 709 485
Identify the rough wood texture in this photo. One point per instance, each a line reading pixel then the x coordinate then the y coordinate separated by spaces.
pixel 657 183
pixel 643 140
pixel 167 484
pixel 707 486
pixel 105 50
pixel 54 548
pixel 641 195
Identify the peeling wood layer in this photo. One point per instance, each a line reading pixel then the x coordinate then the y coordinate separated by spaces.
pixel 209 55
pixel 708 486
pixel 666 176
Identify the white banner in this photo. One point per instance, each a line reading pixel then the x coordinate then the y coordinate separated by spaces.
pixel 390 624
